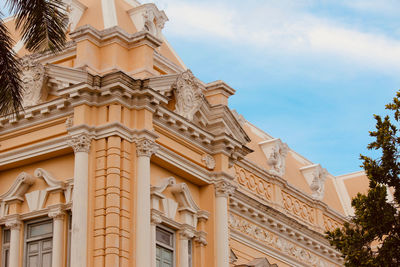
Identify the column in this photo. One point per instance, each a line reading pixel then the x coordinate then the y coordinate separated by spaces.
pixel 155 219
pixel 15 227
pixel 184 237
pixel 144 149
pixel 223 189
pixel 58 216
pixel 81 146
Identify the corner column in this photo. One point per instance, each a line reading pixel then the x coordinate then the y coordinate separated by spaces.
pixel 223 189
pixel 15 227
pixel 58 216
pixel 144 149
pixel 81 146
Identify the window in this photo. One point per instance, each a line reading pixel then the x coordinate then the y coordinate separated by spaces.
pixel 39 244
pixel 164 248
pixel 5 254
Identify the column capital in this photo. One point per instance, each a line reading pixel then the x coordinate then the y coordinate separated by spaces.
pixel 13 223
pixel 186 232
pixel 57 214
pixel 80 143
pixel 201 238
pixel 156 218
pixel 224 188
pixel 145 147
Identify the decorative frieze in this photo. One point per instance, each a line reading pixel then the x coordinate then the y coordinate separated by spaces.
pixel 80 143
pixel 256 185
pixel 188 94
pixel 298 208
pixel 145 147
pixel 209 161
pixel 270 239
pixel 224 188
pixel 330 224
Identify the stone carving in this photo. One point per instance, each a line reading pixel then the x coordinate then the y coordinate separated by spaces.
pixel 188 95
pixel 318 183
pixel 330 224
pixel 32 77
pixel 259 262
pixel 149 18
pixel 36 199
pixel 69 122
pixel 13 224
pixel 298 208
pixel 272 240
pixel 145 147
pixel 315 176
pixel 276 152
pixel 80 143
pixel 57 214
pixel 256 185
pixel 209 161
pixel 224 188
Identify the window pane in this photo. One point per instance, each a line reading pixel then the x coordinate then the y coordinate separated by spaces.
pixel 6 257
pixel 33 247
pixel 40 229
pixel 6 236
pixel 46 260
pixel 33 261
pixel 47 245
pixel 164 237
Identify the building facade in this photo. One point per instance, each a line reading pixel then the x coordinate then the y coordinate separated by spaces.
pixel 122 157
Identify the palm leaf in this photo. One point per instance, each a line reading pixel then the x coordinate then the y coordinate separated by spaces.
pixel 43 23
pixel 10 89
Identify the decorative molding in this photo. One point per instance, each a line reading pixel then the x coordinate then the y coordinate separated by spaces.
pixel 330 224
pixel 209 161
pixel 298 208
pixel 256 185
pixel 276 242
pixel 188 95
pixel 145 147
pixel 49 179
pixel 36 199
pixel 32 78
pixel 14 223
pixel 57 213
pixel 75 11
pixel 224 188
pixel 316 177
pixel 80 143
pixel 259 262
pixel 69 122
pixel 275 151
pixel 18 188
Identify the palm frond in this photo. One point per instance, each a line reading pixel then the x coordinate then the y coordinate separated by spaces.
pixel 43 23
pixel 10 88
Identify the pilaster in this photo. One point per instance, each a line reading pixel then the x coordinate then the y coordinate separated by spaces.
pixel 58 216
pixel 14 224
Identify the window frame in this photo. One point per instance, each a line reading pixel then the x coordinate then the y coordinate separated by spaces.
pixel 173 248
pixel 5 247
pixel 32 239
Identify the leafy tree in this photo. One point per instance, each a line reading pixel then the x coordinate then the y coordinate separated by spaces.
pixel 42 24
pixel 372 237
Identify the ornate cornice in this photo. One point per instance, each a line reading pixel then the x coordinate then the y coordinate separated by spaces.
pixel 80 143
pixel 224 188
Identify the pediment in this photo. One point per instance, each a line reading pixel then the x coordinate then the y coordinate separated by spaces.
pixel 187 99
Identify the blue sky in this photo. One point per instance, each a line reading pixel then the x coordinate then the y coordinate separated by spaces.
pixel 311 72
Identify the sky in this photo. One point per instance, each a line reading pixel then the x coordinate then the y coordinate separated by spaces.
pixel 310 72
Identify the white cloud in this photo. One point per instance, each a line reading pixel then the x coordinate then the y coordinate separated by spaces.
pixel 284 26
